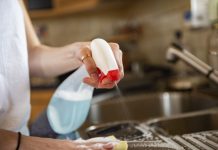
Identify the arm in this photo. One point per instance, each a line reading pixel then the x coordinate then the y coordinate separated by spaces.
pixel 8 141
pixel 47 61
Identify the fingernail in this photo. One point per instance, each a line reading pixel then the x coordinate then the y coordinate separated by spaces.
pixel 94 76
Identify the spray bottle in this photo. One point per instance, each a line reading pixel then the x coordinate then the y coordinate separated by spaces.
pixel 70 104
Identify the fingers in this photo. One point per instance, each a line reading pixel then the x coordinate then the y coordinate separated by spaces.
pixel 92 144
pixel 89 62
pixel 106 84
pixel 92 70
pixel 101 143
pixel 108 146
pixel 90 82
pixel 118 54
pixel 95 147
pixel 86 57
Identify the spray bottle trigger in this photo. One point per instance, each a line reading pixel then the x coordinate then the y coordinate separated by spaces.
pixel 101 75
pixel 113 75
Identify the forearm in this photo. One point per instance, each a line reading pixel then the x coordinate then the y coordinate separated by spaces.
pixel 8 140
pixel 47 61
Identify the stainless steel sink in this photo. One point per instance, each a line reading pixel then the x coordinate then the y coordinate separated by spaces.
pixel 185 124
pixel 145 106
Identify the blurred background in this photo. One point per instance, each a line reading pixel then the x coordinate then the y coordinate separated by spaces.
pixel 143 28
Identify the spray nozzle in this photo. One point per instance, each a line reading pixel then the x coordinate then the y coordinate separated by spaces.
pixel 104 60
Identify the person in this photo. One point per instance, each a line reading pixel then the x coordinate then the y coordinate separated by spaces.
pixel 21 55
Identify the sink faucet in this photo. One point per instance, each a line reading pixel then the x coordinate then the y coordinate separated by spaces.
pixel 176 52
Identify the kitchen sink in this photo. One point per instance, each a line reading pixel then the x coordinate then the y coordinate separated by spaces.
pixel 186 124
pixel 145 106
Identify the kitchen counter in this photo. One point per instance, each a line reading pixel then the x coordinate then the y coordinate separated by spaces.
pixel 197 141
pixel 141 137
pixel 175 126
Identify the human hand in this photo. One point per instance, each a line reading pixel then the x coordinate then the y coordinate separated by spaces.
pixel 35 143
pixel 99 143
pixel 84 50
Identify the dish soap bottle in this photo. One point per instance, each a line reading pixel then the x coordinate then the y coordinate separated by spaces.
pixel 69 105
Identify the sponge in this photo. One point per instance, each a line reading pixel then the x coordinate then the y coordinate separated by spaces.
pixel 121 145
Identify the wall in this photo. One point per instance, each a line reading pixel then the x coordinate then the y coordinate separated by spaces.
pixel 80 27
pixel 158 18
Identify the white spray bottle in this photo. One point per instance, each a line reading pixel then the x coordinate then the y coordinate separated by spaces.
pixel 71 101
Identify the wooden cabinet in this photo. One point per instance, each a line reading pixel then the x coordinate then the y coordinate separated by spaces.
pixel 39 101
pixel 63 7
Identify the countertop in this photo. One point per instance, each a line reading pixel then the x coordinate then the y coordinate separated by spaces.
pixel 140 136
pixel 207 140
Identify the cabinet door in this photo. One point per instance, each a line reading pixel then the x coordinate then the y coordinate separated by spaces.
pixel 39 102
pixel 62 7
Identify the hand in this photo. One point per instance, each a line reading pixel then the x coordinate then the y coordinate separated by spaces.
pixel 84 49
pixel 98 143
pixel 8 141
pixel 35 143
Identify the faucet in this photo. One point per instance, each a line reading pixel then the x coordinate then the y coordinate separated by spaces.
pixel 176 52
